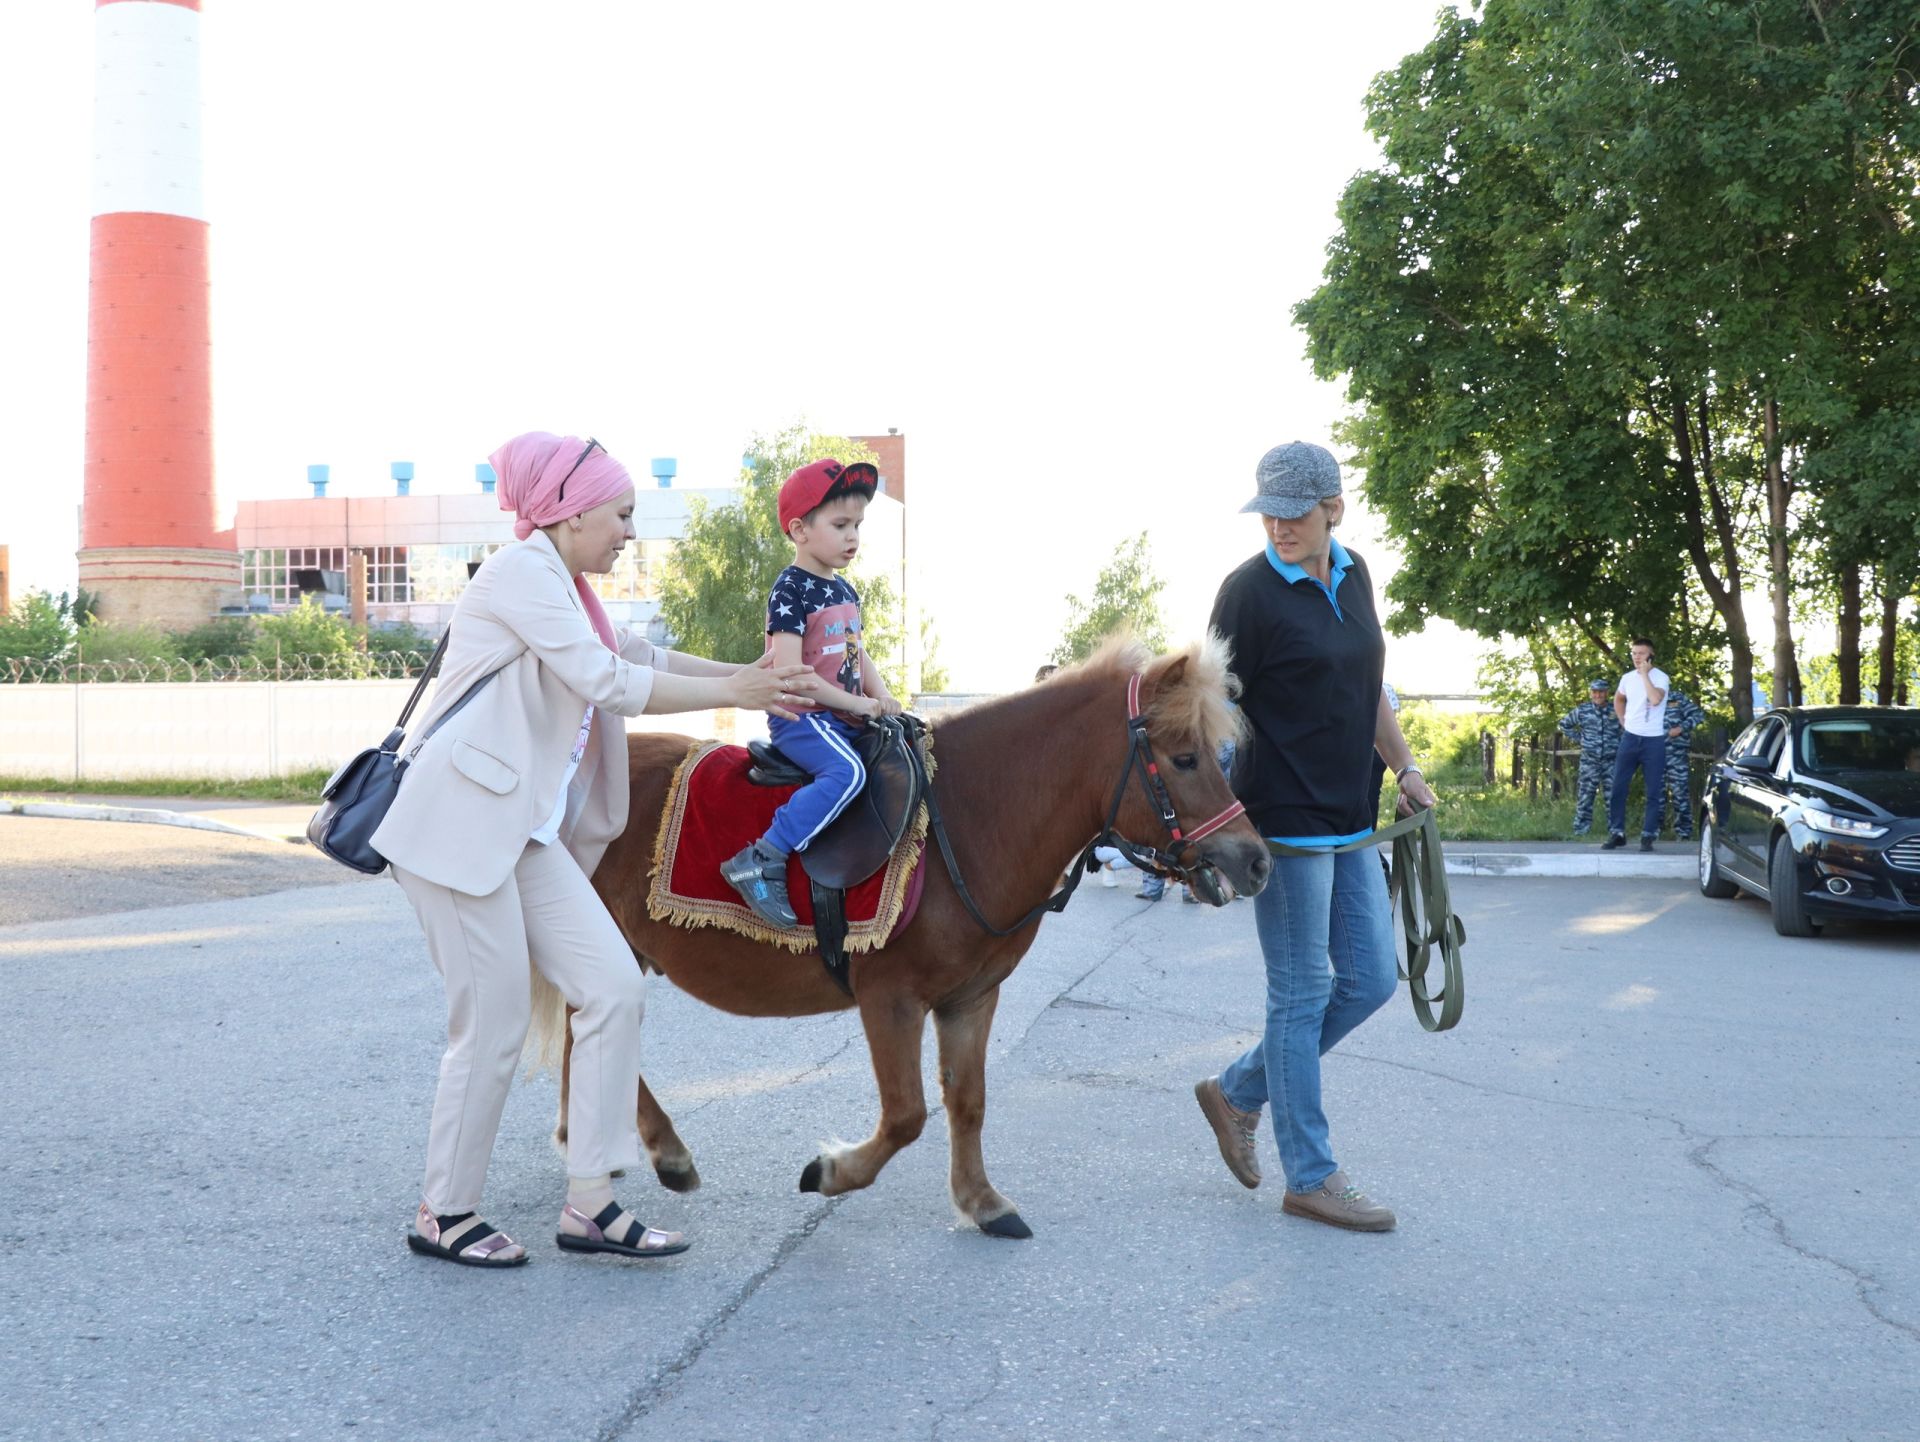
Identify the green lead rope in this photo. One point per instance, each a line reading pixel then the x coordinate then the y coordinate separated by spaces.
pixel 1427 918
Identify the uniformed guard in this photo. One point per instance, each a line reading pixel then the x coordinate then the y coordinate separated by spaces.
pixel 1683 715
pixel 1593 724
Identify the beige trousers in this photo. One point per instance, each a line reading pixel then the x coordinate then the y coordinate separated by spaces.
pixel 545 914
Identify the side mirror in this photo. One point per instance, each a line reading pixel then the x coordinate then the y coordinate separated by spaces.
pixel 1757 765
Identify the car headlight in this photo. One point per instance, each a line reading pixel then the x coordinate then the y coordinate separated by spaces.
pixel 1842 825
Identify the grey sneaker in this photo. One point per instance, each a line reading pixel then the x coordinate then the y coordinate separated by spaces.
pixel 1233 1129
pixel 759 874
pixel 1339 1203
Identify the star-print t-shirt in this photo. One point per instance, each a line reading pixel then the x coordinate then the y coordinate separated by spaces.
pixel 824 612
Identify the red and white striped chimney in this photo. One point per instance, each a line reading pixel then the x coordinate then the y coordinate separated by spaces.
pixel 151 542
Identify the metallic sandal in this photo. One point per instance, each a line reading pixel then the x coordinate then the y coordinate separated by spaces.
pixel 466 1240
pixel 619 1231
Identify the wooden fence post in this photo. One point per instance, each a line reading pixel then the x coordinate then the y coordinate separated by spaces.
pixel 1486 757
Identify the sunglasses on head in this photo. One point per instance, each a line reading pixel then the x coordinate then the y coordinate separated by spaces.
pixel 591 445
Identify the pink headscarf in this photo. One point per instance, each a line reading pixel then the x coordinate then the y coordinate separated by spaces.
pixel 529 470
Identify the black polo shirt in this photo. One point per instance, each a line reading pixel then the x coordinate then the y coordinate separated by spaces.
pixel 1310 665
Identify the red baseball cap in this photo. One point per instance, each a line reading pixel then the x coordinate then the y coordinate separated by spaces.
pixel 818 482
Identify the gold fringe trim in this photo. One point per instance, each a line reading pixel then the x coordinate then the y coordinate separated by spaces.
pixel 693 913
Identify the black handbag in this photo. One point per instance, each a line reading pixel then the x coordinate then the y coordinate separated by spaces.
pixel 355 799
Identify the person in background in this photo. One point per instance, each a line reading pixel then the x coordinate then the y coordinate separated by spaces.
pixel 1640 703
pixel 1683 715
pixel 1596 728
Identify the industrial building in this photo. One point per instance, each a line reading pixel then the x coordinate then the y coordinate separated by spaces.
pixel 419 549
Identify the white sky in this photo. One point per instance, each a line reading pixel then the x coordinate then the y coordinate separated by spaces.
pixel 1054 244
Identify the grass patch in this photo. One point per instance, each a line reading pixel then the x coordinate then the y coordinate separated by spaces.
pixel 1471 810
pixel 301 786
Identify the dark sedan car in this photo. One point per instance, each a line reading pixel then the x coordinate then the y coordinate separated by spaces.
pixel 1817 809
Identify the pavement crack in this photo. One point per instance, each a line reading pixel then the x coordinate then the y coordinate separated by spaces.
pixel 1699 1145
pixel 1866 1286
pixel 974 1403
pixel 662 1382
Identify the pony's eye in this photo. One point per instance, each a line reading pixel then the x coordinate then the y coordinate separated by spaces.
pixel 1186 761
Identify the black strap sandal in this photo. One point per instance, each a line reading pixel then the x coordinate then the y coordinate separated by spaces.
pixel 463 1238
pixel 617 1230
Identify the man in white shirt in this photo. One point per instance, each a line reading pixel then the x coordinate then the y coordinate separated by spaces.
pixel 1640 701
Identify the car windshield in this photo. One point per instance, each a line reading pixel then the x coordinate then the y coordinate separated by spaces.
pixel 1861 743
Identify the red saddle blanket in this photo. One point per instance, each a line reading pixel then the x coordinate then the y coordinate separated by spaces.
pixel 713 811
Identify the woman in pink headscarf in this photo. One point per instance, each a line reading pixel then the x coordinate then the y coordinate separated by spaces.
pixel 516 783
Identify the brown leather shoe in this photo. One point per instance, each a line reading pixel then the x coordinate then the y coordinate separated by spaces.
pixel 1339 1203
pixel 1233 1129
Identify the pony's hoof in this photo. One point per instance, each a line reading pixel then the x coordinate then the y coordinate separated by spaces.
pixel 813 1176
pixel 679 1179
pixel 1009 1226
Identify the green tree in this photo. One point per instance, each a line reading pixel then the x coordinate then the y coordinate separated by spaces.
pixel 714 593
pixel 100 641
pixel 1627 271
pixel 308 632
pixel 37 628
pixel 1126 596
pixel 220 639
pixel 933 671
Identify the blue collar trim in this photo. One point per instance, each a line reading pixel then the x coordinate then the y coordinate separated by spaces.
pixel 1337 571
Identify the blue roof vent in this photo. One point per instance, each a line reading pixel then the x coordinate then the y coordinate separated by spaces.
pixel 317 478
pixel 483 473
pixel 665 468
pixel 402 473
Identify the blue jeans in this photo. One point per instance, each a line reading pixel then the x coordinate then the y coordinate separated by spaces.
pixel 1315 910
pixel 823 744
pixel 1648 755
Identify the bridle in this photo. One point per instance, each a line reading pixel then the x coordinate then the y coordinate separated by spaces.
pixel 1140 760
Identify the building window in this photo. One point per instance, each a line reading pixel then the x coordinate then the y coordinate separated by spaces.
pixel 636 574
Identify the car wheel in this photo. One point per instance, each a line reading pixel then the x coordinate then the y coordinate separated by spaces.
pixel 1783 887
pixel 1712 883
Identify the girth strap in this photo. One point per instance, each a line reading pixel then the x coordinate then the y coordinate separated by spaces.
pixel 830 927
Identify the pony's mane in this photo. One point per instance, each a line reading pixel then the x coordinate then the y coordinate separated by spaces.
pixel 1198 702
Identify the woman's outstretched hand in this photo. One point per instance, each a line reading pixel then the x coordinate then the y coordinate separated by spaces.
pixel 764 686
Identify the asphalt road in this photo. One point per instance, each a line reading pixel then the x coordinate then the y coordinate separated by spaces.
pixel 1658 1185
pixel 51 869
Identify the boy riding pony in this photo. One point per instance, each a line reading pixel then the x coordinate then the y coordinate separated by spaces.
pixel 813 618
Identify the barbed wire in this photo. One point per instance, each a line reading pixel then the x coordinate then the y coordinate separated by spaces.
pixel 373 666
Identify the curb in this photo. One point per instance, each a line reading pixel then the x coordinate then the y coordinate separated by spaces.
pixel 1639 866
pixel 66 811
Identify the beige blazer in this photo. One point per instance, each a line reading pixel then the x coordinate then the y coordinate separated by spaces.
pixel 477 788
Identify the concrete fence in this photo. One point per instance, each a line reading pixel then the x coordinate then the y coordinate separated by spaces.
pixel 150 730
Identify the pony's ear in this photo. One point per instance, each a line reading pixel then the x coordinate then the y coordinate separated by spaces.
pixel 1170 670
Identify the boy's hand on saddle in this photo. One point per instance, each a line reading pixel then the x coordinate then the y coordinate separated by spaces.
pixel 763 686
pixel 886 706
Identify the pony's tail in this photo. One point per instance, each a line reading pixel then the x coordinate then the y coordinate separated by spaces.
pixel 549 1026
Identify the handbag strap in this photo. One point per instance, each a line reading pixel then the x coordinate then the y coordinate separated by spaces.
pixel 420 686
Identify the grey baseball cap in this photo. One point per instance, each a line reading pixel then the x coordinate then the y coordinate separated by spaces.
pixel 1292 479
pixel 1598 683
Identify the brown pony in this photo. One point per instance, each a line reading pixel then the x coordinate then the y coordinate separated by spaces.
pixel 1024 782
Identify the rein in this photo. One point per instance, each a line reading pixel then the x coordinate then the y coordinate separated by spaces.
pixel 1139 758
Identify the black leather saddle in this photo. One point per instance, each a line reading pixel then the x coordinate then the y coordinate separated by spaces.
pixel 861 838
